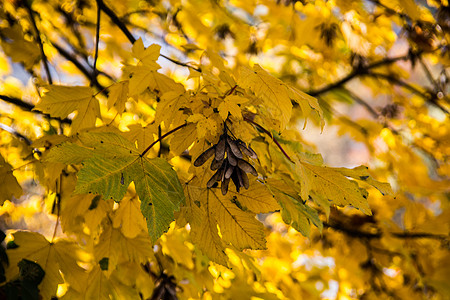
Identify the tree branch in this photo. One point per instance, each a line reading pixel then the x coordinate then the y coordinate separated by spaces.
pixel 391 10
pixel 400 235
pixel 429 75
pixel 29 107
pixel 357 72
pixel 116 20
pixel 38 39
pixel 97 41
pixel 15 133
pixel 18 102
pixel 64 53
pixel 427 96
pixel 360 101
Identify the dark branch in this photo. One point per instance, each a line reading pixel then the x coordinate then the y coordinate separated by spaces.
pixel 425 95
pixel 391 11
pixel 38 39
pixel 419 235
pixel 97 41
pixel 401 235
pixel 17 102
pixel 429 75
pixel 360 101
pixel 64 53
pixel 116 20
pixel 29 107
pixel 15 133
pixel 357 72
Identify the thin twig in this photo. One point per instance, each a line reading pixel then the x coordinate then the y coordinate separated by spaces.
pixel 38 39
pixel 160 143
pixel 97 41
pixel 360 101
pixel 162 137
pixel 429 75
pixel 232 90
pixel 78 52
pixel 271 136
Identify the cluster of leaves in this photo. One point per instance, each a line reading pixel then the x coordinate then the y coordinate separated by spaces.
pixel 115 150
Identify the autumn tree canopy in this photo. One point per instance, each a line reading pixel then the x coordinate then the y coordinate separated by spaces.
pixel 167 149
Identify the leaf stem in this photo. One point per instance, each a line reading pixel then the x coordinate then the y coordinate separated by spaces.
pixel 58 205
pixel 271 136
pixel 232 90
pixel 162 137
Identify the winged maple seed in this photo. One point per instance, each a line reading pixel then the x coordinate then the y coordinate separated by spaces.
pixel 229 162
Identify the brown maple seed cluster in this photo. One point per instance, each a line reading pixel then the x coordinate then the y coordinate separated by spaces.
pixel 229 162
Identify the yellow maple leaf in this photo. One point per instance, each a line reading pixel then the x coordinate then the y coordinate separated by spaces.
pixel 17 47
pixel 59 101
pixel 117 248
pixel 231 105
pixel 204 125
pixel 271 90
pixel 9 186
pixel 98 286
pixel 128 218
pixel 118 95
pixel 238 227
pixel 169 108
pixel 147 56
pixel 54 258
pixel 203 226
pixel 144 136
pixel 183 138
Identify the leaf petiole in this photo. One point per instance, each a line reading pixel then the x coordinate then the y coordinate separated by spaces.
pixel 163 136
pixel 271 136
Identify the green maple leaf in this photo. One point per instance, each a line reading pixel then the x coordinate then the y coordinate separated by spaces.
pixel 116 162
pixel 294 211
